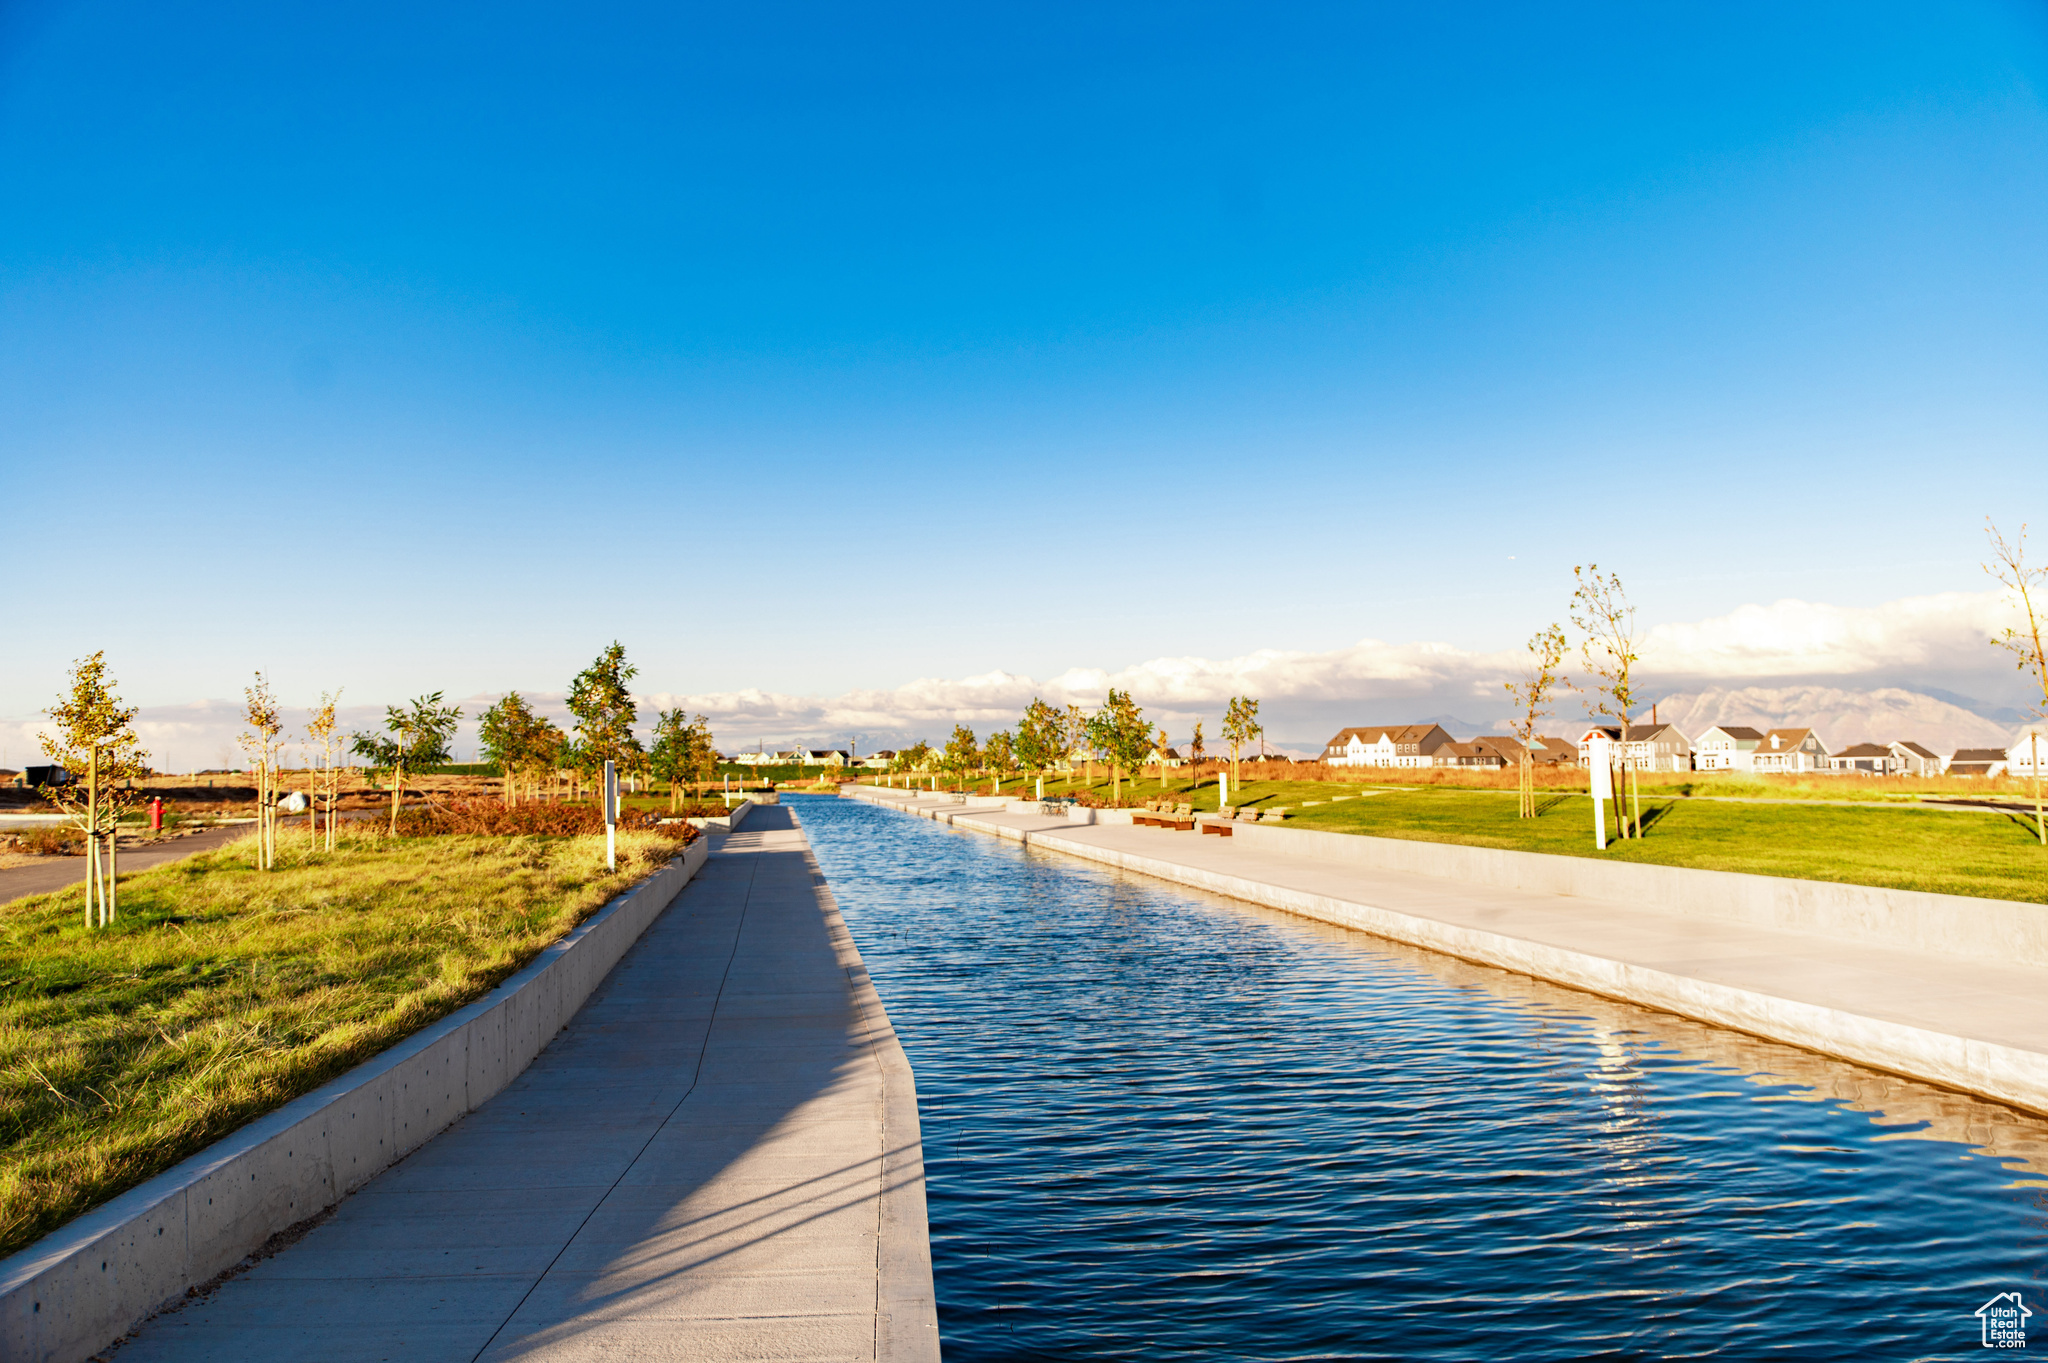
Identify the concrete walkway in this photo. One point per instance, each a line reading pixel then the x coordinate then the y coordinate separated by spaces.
pixel 1969 1023
pixel 717 1159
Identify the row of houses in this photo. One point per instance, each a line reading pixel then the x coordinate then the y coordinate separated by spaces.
pixel 1662 747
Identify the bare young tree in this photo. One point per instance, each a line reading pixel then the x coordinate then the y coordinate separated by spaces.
pixel 1601 611
pixel 322 729
pixel 2009 568
pixel 265 724
pixel 1540 681
pixel 96 744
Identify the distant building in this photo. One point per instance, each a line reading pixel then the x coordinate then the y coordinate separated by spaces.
pixel 1485 754
pixel 1547 751
pixel 1865 759
pixel 46 776
pixel 879 760
pixel 1394 745
pixel 1910 759
pixel 826 757
pixel 1790 751
pixel 1726 747
pixel 1647 747
pixel 2027 750
pixel 1985 762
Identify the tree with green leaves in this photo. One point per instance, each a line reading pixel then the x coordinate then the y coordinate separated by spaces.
pixel 1040 740
pixel 999 755
pixel 962 754
pixel 1075 737
pixel 2024 642
pixel 1195 751
pixel 412 738
pixel 1240 726
pixel 1540 681
pixel 323 729
pixel 95 744
pixel 1164 747
pixel 1120 733
pixel 604 712
pixel 680 746
pixel 915 758
pixel 506 734
pixel 1601 611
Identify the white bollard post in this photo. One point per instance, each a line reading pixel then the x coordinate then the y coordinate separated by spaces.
pixel 1222 791
pixel 1602 772
pixel 611 816
pixel 1041 788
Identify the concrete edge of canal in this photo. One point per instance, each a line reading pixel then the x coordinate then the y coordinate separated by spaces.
pixel 2004 1072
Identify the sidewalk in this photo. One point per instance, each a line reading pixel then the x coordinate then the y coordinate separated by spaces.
pixel 717 1159
pixel 1968 1023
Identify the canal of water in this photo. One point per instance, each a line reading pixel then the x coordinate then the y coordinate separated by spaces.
pixel 1164 1125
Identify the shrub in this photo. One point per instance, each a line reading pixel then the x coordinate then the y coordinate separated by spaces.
pixel 493 819
pixel 52 842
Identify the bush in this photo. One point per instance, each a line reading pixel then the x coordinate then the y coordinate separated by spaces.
pixel 51 842
pixel 491 818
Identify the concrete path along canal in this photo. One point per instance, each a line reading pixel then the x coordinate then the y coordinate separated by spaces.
pixel 718 1159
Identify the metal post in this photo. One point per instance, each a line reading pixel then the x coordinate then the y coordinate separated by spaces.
pixel 611 816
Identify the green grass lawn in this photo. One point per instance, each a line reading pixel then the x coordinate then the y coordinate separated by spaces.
pixel 224 992
pixel 1993 856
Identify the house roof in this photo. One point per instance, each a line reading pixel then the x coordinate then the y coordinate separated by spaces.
pixel 1500 743
pixel 1788 739
pixel 1637 733
pixel 1978 755
pixel 1865 750
pixel 1739 732
pixel 1394 733
pixel 1916 750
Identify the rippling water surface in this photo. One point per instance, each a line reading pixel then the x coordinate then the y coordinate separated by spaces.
pixel 1164 1125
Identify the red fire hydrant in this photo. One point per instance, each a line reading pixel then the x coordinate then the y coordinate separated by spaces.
pixel 156 814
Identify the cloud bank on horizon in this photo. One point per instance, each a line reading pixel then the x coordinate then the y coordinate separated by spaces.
pixel 1921 664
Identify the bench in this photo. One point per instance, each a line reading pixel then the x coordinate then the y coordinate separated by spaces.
pixel 1221 830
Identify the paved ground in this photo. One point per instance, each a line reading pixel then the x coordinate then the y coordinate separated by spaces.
pixel 17 882
pixel 1944 996
pixel 717 1159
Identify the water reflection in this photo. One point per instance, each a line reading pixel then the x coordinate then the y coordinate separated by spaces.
pixel 1168 1125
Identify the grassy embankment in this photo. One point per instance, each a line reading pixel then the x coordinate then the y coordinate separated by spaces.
pixel 1990 855
pixel 224 993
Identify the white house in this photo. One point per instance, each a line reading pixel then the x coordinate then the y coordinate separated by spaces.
pixel 2028 751
pixel 1790 751
pixel 826 757
pixel 1648 747
pixel 879 760
pixel 1726 747
pixel 1396 745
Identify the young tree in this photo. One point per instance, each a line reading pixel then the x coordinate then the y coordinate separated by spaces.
pixel 1601 612
pixel 505 733
pixel 412 739
pixel 1165 750
pixel 321 729
pixel 671 756
pixel 999 755
pixel 604 711
pixel 1041 736
pixel 2009 568
pixel 915 758
pixel 1195 751
pixel 1533 694
pixel 962 753
pixel 1240 726
pixel 1120 732
pixel 95 742
pixel 1075 739
pixel 702 751
pixel 260 743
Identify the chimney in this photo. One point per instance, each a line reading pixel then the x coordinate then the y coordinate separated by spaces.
pixel 1653 714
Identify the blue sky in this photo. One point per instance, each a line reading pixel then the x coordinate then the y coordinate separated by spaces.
pixel 814 348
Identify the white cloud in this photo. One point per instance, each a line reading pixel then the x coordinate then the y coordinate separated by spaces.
pixel 1808 639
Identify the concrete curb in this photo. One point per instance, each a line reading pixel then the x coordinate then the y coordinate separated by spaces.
pixel 906 1303
pixel 724 823
pixel 2004 1073
pixel 82 1286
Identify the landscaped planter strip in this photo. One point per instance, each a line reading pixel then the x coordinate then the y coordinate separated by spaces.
pixel 83 1286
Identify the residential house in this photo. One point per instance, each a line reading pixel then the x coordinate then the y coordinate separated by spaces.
pixel 1790 751
pixel 879 760
pixel 1397 745
pixel 1985 762
pixel 1648 747
pixel 1486 754
pixel 1726 747
pixel 1910 759
pixel 2028 750
pixel 826 757
pixel 1548 751
pixel 1864 759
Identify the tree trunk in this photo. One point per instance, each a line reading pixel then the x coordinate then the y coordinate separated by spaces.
pixel 397 792
pixel 114 872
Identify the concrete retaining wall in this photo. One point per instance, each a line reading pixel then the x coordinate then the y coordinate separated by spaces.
pixel 726 822
pixel 80 1288
pixel 1951 925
